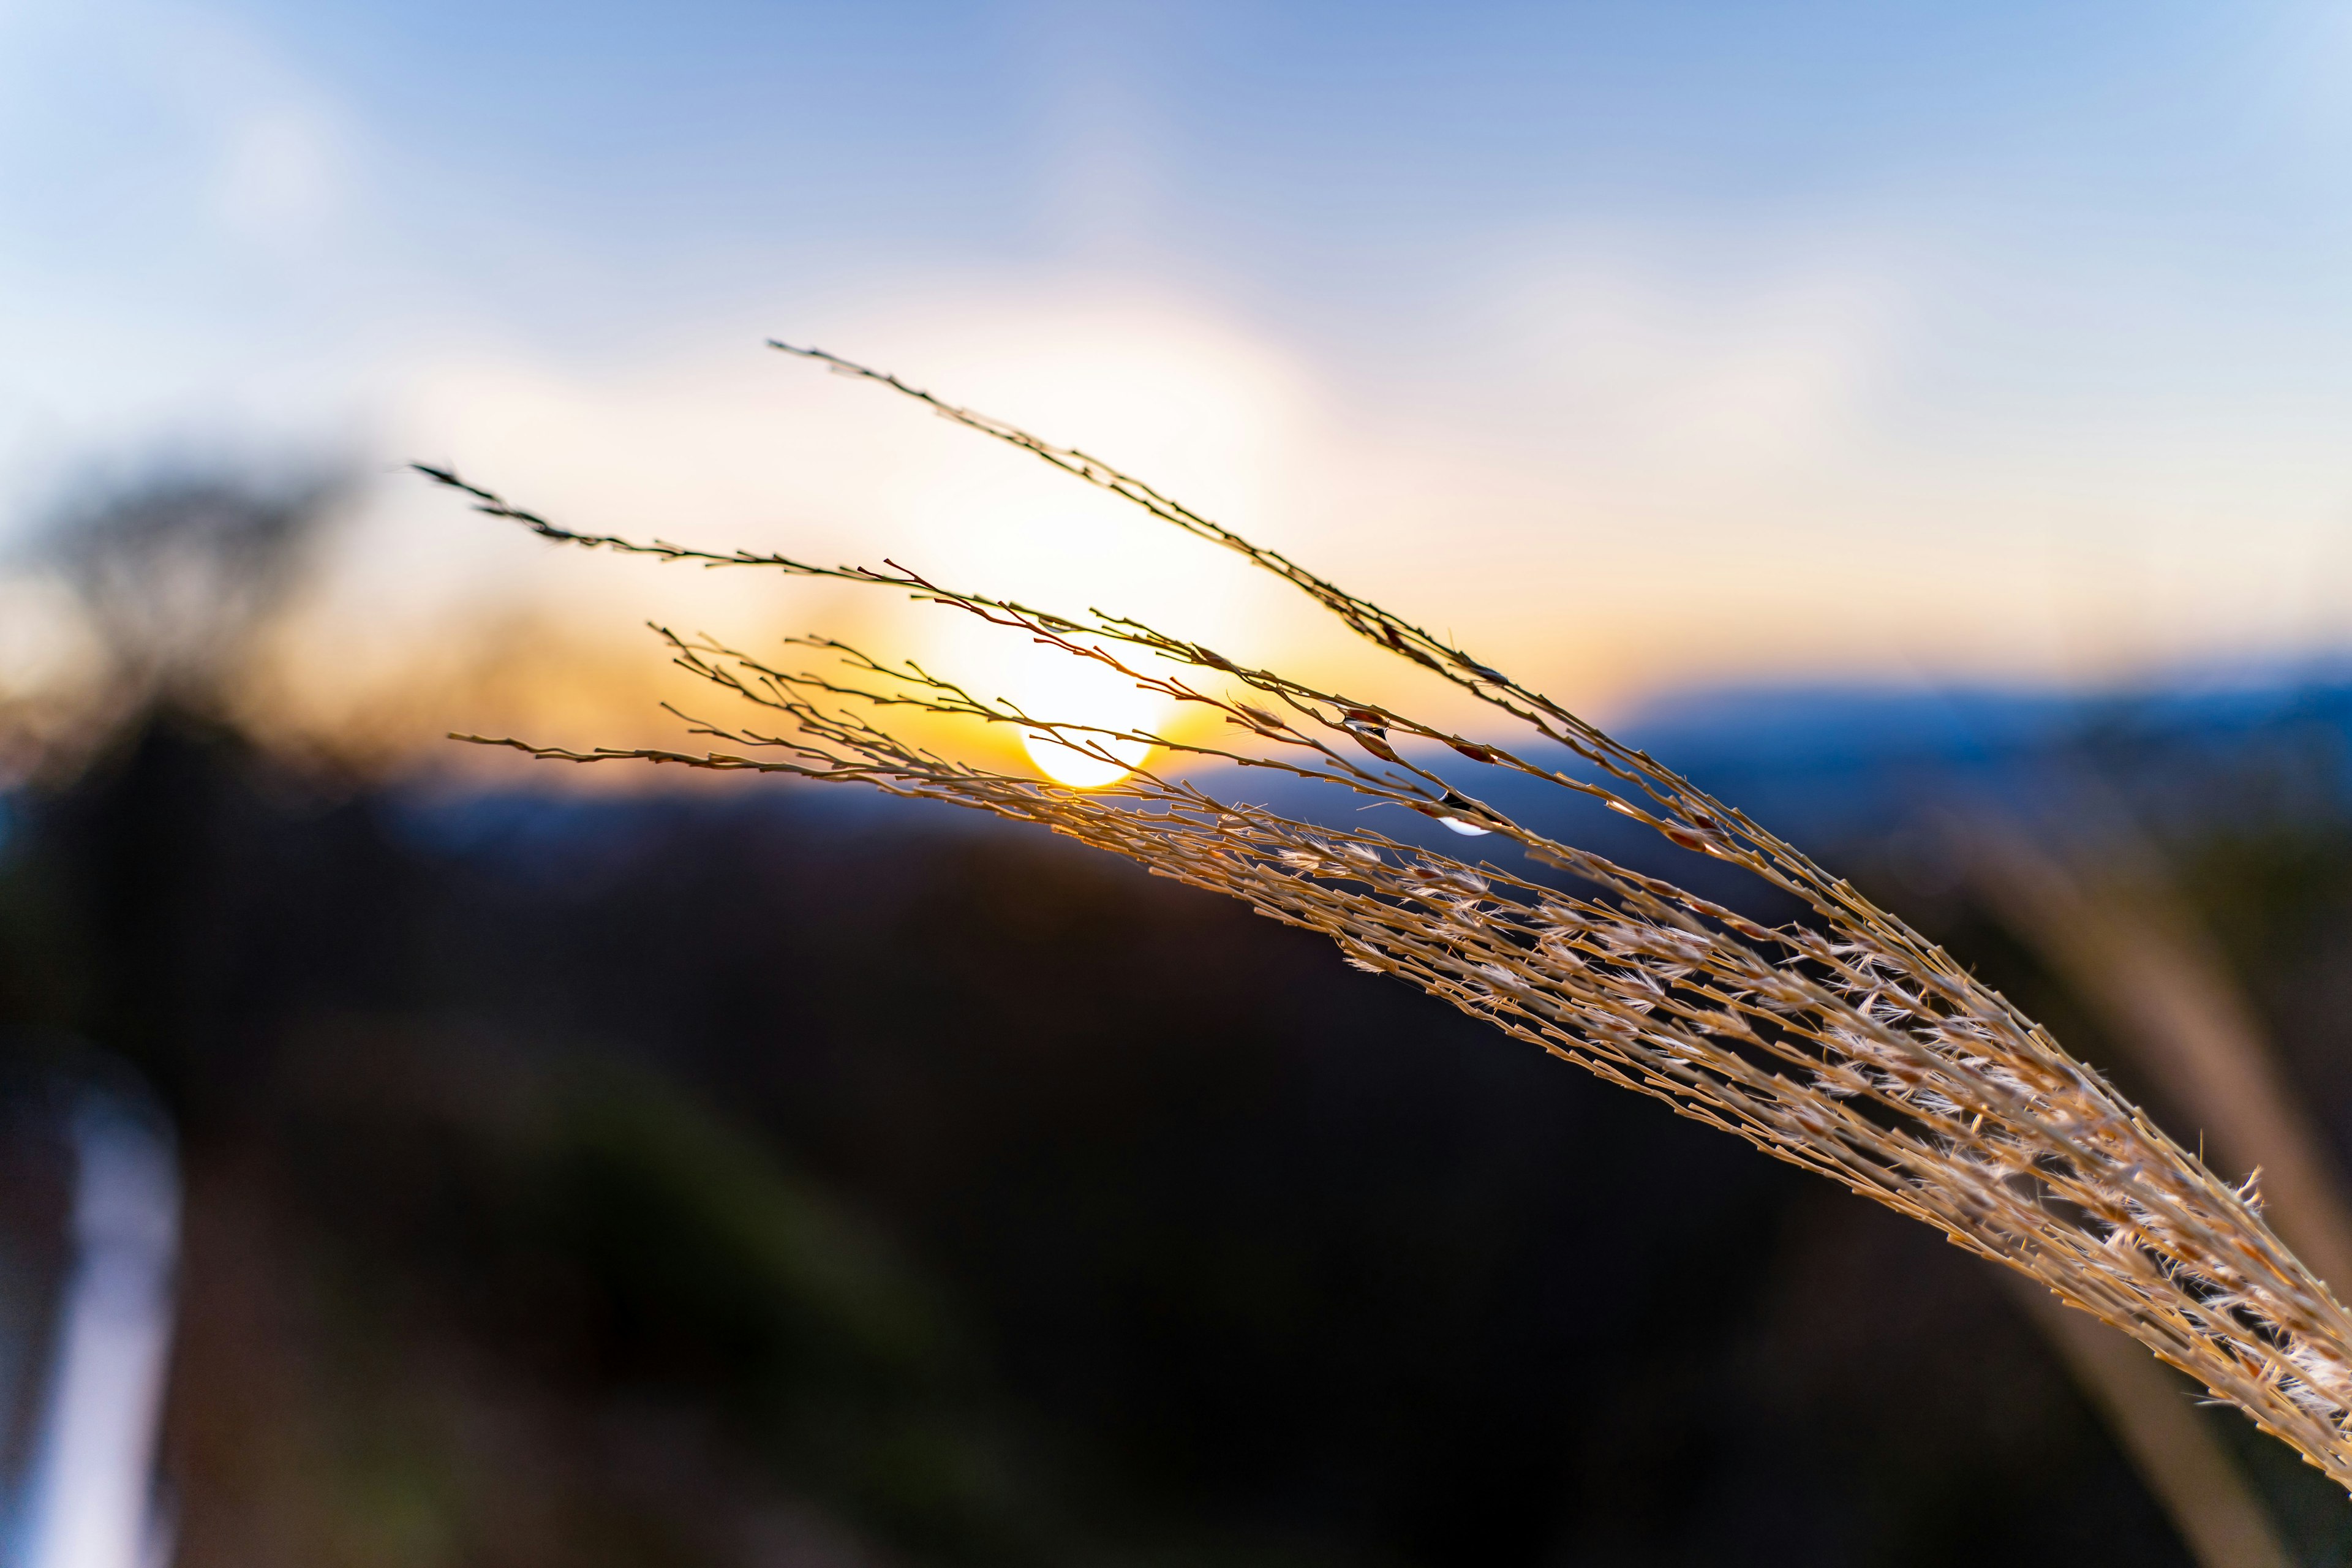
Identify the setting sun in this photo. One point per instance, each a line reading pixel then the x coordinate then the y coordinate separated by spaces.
pixel 1065 763
pixel 1065 691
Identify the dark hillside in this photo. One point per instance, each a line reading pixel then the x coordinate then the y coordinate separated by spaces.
pixel 660 1180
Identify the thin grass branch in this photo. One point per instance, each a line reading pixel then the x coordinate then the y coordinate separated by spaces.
pixel 1846 1043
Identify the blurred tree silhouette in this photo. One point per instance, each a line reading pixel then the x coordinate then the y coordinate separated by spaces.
pixel 179 575
pixel 181 572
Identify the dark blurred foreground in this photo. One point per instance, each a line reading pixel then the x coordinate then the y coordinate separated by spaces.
pixel 792 1177
pixel 784 1178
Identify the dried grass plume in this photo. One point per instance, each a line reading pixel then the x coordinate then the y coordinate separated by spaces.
pixel 1844 1042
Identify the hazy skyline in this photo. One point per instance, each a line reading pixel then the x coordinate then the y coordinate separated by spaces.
pixel 1639 345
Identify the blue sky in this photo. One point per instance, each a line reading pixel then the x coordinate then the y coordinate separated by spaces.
pixel 1662 342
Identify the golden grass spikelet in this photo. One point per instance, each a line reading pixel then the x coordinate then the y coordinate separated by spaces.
pixel 1846 1044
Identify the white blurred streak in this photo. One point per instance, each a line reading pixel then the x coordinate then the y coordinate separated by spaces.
pixel 91 1495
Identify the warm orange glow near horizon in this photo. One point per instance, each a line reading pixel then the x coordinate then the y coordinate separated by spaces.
pixel 1598 563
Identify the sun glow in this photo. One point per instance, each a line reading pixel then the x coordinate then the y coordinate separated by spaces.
pixel 1065 762
pixel 1068 692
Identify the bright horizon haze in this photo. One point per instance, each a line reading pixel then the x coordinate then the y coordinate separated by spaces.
pixel 1638 346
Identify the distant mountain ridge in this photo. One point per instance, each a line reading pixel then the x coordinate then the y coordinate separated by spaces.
pixel 1830 767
